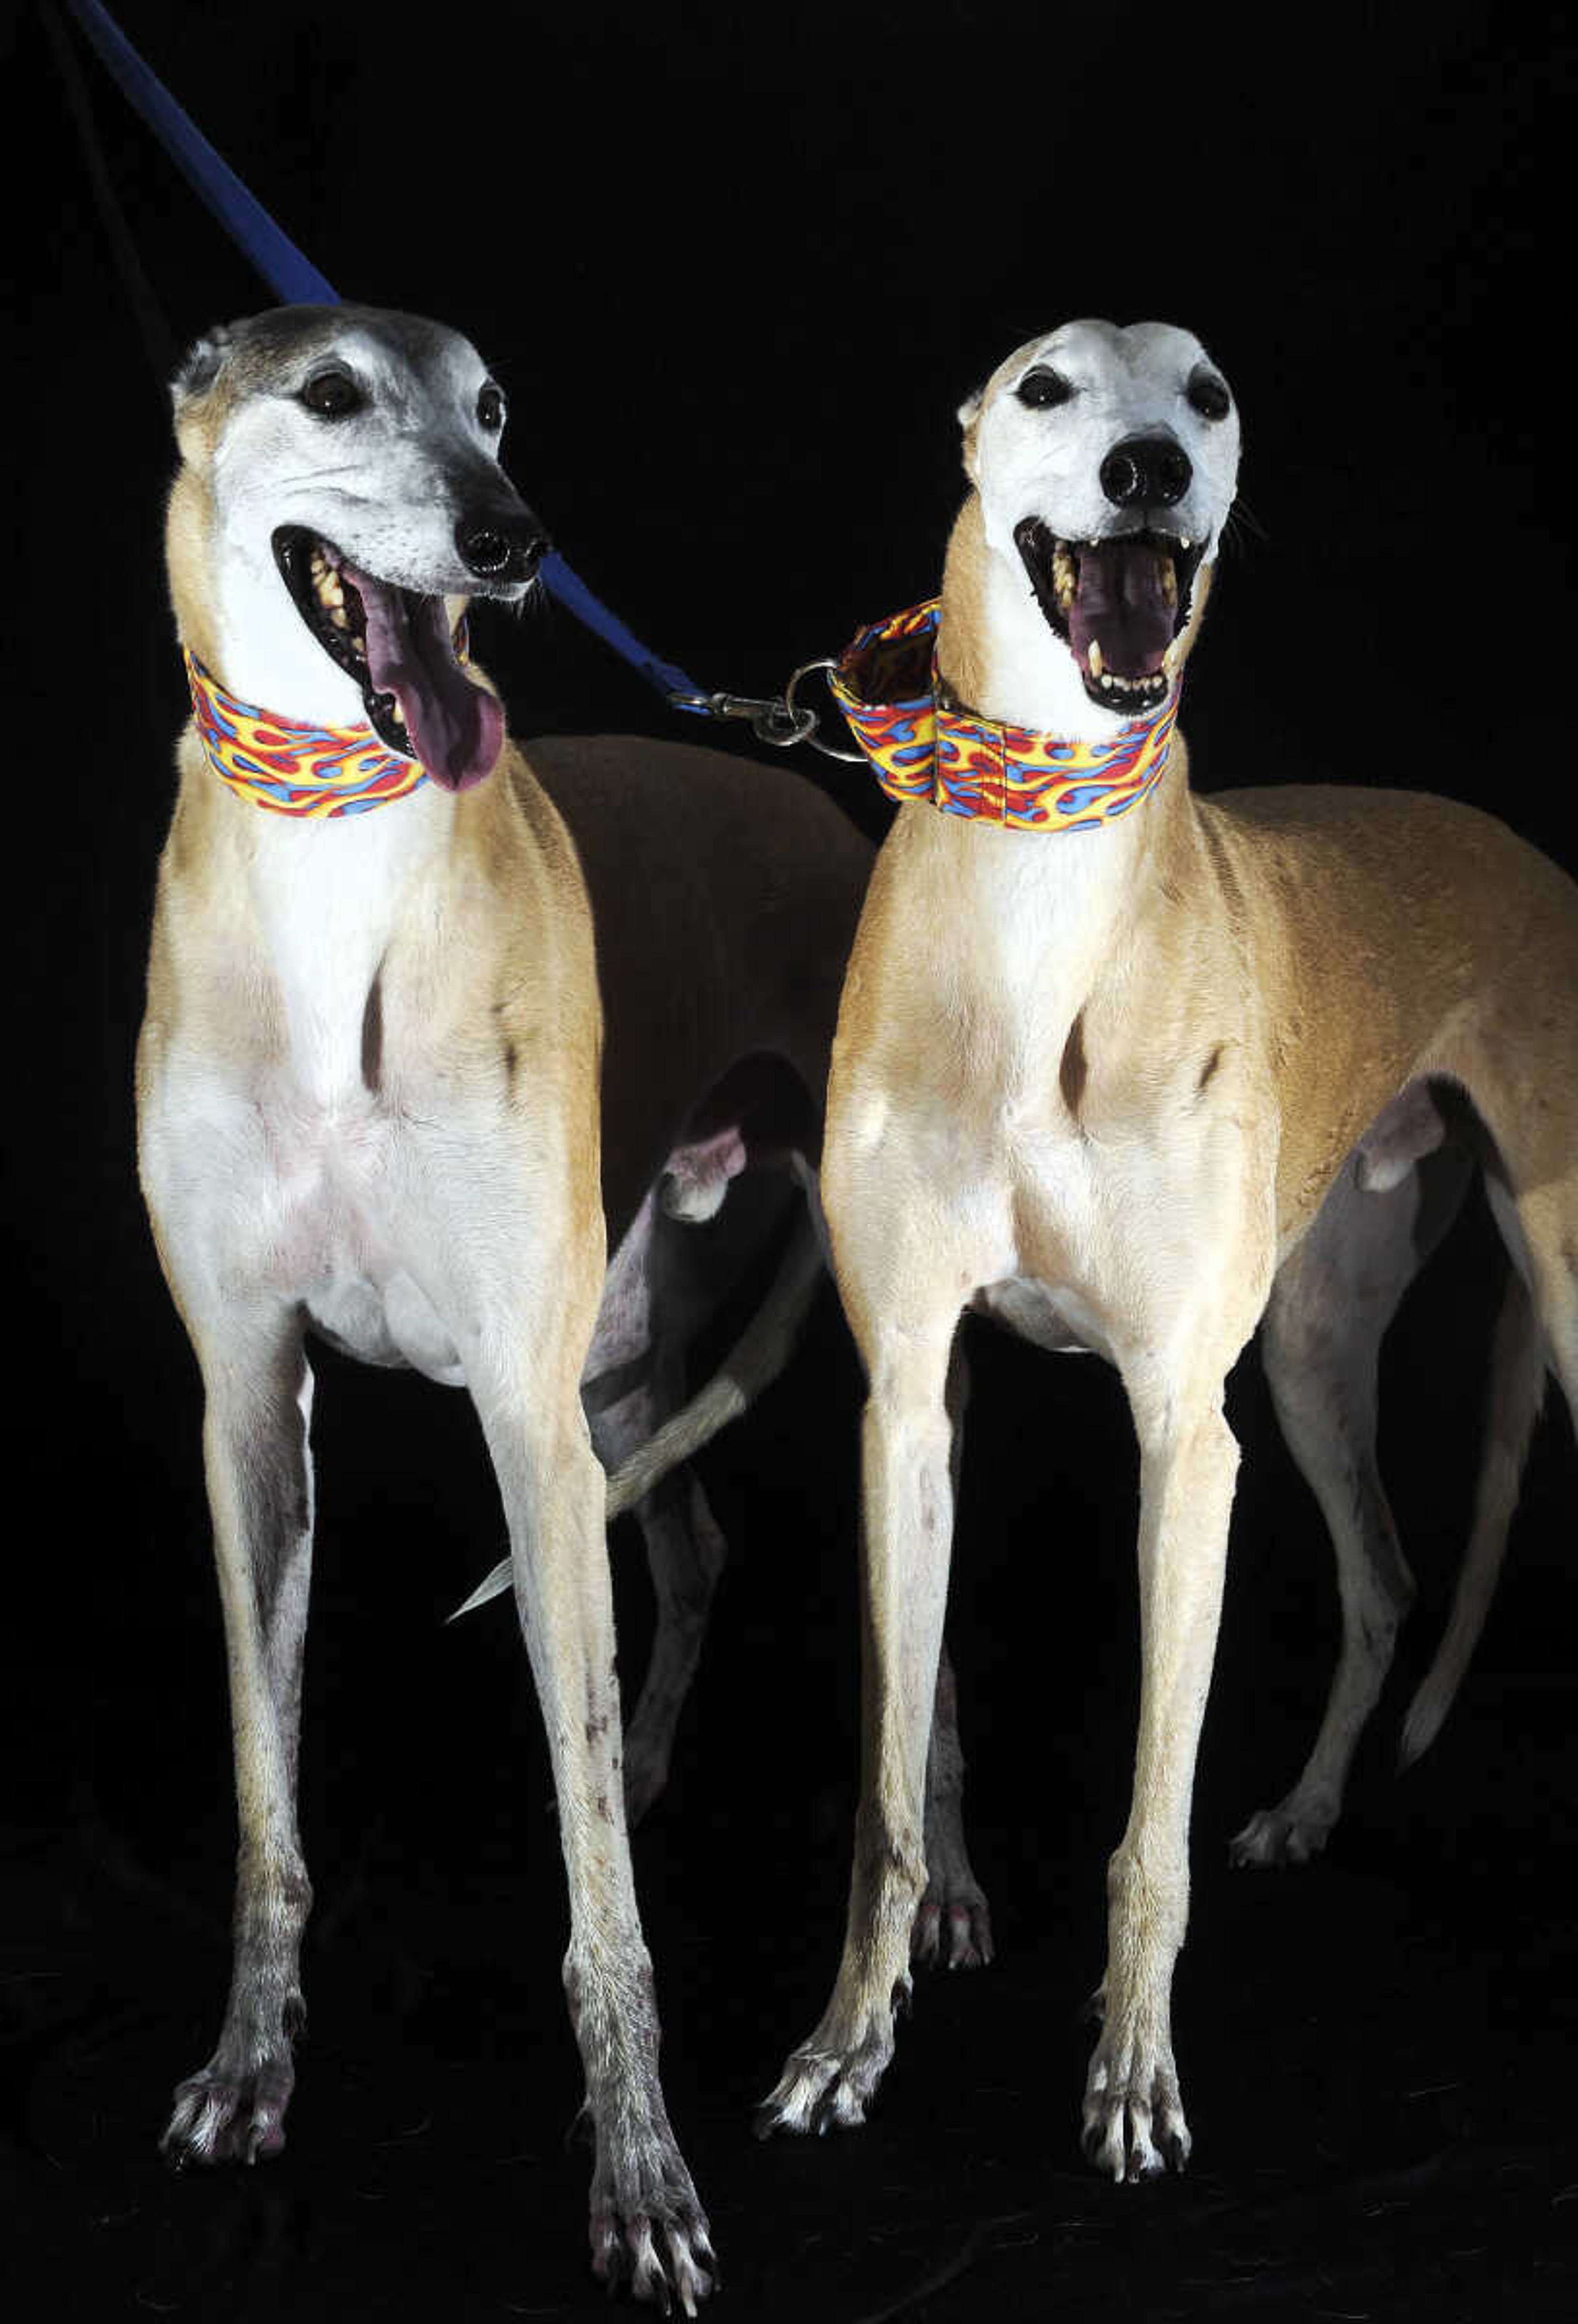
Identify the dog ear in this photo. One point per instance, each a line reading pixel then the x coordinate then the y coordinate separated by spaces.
pixel 969 419
pixel 200 366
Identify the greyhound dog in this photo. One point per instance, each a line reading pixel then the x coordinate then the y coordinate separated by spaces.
pixel 1105 1051
pixel 403 1026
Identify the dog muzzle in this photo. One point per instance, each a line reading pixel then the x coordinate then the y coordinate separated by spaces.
pixel 290 768
pixel 922 747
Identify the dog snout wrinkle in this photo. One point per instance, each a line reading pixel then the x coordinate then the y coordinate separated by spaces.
pixel 1151 471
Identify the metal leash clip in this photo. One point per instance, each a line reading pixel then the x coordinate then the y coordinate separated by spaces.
pixel 772 719
pixel 778 719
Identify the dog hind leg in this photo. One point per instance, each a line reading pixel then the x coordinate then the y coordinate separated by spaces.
pixel 1517 1375
pixel 954 1898
pixel 685 1553
pixel 258 1387
pixel 664 1289
pixel 1536 1329
pixel 1320 1340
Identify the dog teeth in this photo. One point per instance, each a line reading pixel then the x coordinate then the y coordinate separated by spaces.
pixel 328 586
pixel 1143 686
pixel 1063 579
pixel 1093 656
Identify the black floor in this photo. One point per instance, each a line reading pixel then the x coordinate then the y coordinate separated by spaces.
pixel 1378 2051
pixel 737 273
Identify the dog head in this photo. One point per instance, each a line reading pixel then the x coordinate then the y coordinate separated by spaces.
pixel 340 482
pixel 1105 461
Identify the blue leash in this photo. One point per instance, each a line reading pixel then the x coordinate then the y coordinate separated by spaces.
pixel 294 277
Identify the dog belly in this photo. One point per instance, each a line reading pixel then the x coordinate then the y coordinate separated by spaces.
pixel 390 1322
pixel 1058 1320
pixel 316 1208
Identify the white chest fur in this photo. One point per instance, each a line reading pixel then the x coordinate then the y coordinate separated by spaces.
pixel 1057 1121
pixel 291 1167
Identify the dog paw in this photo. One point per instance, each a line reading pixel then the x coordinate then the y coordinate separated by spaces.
pixel 828 2083
pixel 1275 1836
pixel 222 2116
pixel 953 1927
pixel 649 2234
pixel 625 2253
pixel 1134 2122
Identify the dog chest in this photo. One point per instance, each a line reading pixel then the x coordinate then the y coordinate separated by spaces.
pixel 260 1189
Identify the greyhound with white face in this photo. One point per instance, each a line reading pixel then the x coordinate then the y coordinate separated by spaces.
pixel 420 1017
pixel 1127 1077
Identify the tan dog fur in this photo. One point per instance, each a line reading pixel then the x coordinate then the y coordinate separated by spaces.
pixel 374 1094
pixel 1101 1087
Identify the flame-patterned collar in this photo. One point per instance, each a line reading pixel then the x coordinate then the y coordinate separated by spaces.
pixel 294 769
pixel 922 747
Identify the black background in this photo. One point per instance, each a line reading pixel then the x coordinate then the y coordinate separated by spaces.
pixel 737 267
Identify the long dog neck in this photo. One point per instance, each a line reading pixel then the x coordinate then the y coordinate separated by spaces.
pixel 1046 910
pixel 314 906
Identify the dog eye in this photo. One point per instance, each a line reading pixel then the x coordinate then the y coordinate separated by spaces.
pixel 332 394
pixel 491 409
pixel 1042 387
pixel 1209 396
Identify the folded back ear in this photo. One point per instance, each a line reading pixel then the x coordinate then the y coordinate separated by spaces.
pixel 199 367
pixel 969 416
pixel 195 418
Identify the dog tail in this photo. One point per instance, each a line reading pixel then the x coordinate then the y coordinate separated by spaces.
pixel 751 1365
pixel 1517 1385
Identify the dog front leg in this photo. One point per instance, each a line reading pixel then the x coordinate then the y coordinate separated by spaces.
pixel 954 1899
pixel 646 2226
pixel 1132 2103
pixel 258 1391
pixel 908 1509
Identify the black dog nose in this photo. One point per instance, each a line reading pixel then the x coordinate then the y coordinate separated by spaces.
pixel 502 544
pixel 1146 469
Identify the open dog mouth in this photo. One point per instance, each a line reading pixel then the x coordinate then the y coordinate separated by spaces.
pixel 396 645
pixel 1118 604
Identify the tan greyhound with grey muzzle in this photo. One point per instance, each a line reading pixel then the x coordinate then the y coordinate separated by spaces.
pixel 380 1095
pixel 1124 1067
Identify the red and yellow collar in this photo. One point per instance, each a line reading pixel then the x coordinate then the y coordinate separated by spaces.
pixel 291 767
pixel 922 748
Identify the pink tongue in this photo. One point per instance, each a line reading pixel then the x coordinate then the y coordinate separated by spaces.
pixel 456 729
pixel 1120 604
